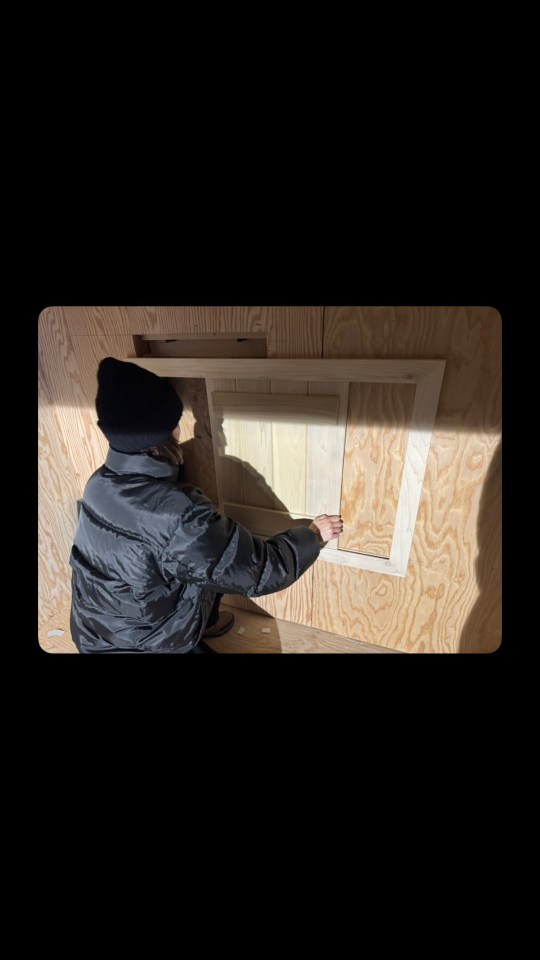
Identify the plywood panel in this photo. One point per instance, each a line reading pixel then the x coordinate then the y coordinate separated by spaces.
pixel 377 432
pixel 278 407
pixel 450 600
pixel 252 445
pixel 289 448
pixel 281 636
pixel 67 388
pixel 228 464
pixel 251 442
pixel 57 514
pixel 291 331
pixel 96 320
pixel 71 447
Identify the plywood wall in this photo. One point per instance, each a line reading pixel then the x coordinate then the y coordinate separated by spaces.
pixel 450 599
pixel 71 342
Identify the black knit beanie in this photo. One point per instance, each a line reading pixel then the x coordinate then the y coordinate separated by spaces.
pixel 136 409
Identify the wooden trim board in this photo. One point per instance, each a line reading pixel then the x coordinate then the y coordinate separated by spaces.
pixel 426 374
pixel 365 371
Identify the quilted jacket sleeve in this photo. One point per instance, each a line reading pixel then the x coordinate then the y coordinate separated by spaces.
pixel 211 549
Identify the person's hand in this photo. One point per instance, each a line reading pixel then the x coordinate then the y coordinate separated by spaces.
pixel 327 527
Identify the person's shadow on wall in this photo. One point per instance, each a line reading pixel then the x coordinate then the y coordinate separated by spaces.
pixel 482 630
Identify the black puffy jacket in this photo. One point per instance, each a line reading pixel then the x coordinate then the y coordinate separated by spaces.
pixel 150 554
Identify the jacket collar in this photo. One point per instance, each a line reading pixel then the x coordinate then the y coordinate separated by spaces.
pixel 140 463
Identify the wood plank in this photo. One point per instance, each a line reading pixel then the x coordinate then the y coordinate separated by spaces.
pixel 141 319
pixel 69 392
pixel 284 637
pixel 255 449
pixel 376 441
pixel 289 449
pixel 66 389
pixel 450 600
pixel 228 467
pixel 57 515
pixel 251 441
pixel 325 450
pixel 368 371
pixel 286 408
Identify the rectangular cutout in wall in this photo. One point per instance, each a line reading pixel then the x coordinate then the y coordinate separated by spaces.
pixel 203 345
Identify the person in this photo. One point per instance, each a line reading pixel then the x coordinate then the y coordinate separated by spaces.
pixel 152 557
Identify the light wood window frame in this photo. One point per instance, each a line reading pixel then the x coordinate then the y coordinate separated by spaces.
pixel 426 375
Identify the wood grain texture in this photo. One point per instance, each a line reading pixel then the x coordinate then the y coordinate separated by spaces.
pixel 95 320
pixel 377 433
pixel 208 345
pixel 291 331
pixel 284 637
pixel 289 449
pixel 71 448
pixel 245 473
pixel 324 456
pixel 278 407
pixel 251 443
pixel 56 619
pixel 327 371
pixel 57 514
pixel 450 600
pixel 228 468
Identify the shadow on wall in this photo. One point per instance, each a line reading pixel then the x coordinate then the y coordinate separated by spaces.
pixel 198 454
pixel 199 470
pixel 482 631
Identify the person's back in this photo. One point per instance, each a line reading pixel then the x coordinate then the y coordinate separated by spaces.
pixel 151 555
